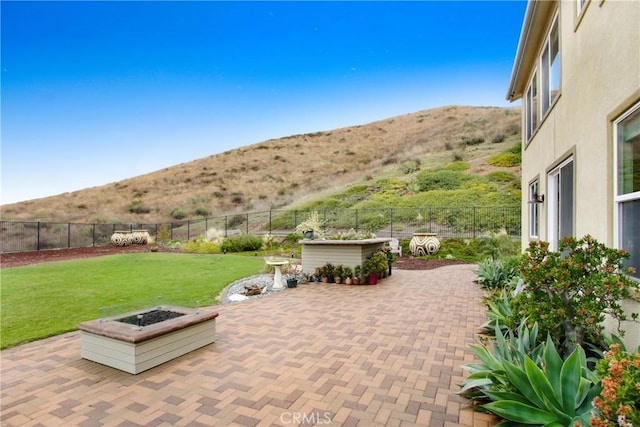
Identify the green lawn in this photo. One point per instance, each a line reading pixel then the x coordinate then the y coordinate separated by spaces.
pixel 48 299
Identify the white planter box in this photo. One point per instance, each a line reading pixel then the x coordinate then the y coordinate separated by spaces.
pixel 132 349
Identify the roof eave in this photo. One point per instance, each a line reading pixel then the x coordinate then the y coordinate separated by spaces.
pixel 534 23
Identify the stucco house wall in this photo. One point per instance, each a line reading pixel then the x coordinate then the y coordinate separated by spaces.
pixel 599 81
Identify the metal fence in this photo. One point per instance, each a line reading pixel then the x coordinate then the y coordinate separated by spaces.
pixel 467 222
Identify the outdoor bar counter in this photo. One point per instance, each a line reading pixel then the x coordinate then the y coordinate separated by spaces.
pixel 316 253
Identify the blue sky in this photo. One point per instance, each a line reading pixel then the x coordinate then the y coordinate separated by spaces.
pixel 97 92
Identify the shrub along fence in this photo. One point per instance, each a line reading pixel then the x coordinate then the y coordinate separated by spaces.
pixel 467 222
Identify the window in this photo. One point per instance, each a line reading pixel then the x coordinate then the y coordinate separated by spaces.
pixel 543 93
pixel 627 183
pixel 560 197
pixel 550 68
pixel 580 5
pixel 531 107
pixel 534 209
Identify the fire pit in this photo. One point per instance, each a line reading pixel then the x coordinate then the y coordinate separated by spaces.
pixel 137 341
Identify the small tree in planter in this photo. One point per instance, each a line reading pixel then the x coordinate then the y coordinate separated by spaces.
pixel 571 290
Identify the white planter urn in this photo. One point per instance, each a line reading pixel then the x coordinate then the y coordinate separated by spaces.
pixel 423 244
pixel 121 238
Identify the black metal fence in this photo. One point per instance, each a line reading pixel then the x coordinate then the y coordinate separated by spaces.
pixel 401 223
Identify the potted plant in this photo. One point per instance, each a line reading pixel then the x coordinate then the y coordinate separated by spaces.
pixel 311 226
pixel 294 275
pixel 381 263
pixel 338 274
pixel 357 271
pixel 348 275
pixel 327 273
pixel 375 266
pixel 369 271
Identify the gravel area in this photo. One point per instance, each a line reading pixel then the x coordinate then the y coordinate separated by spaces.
pixel 238 287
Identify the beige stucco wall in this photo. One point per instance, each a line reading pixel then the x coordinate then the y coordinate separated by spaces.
pixel 631 328
pixel 600 79
pixel 600 72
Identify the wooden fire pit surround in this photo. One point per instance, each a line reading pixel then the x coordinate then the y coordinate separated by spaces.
pixel 134 348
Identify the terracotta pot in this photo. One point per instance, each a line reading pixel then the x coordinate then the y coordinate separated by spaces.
pixel 348 281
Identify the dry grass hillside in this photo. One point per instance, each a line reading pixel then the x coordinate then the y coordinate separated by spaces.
pixel 284 172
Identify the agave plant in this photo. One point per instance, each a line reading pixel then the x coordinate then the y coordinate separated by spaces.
pixel 490 374
pixel 499 314
pixel 496 273
pixel 557 394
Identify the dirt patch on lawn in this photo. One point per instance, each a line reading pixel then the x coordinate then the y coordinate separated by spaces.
pixel 19 259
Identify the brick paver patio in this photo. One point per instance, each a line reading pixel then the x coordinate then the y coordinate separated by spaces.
pixel 330 355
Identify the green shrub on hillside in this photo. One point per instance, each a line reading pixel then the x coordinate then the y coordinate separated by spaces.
pixel 330 203
pixel 137 207
pixel 177 213
pixel 501 177
pixel 236 221
pixel 201 211
pixel 410 167
pixel 441 180
pixel 508 158
pixel 505 160
pixel 498 138
pixel 476 140
pixel 457 166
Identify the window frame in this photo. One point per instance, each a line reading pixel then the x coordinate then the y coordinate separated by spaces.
pixel 532 107
pixel 556 199
pixel 549 63
pixel 544 88
pixel 534 210
pixel 620 198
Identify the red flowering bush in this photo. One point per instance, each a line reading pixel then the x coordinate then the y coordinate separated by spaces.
pixel 619 401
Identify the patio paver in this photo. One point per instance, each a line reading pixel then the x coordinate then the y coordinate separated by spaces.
pixel 331 355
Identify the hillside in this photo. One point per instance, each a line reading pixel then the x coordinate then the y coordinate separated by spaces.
pixel 290 171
